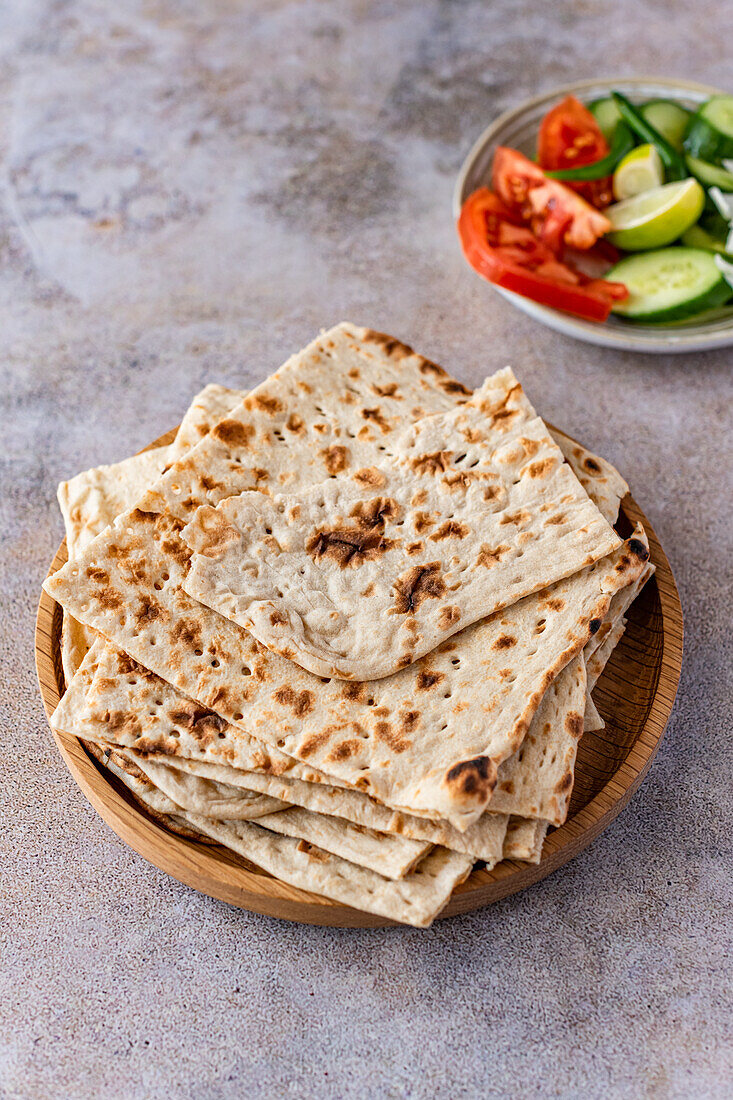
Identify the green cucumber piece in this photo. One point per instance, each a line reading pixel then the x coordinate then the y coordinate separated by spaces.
pixel 669 284
pixel 674 164
pixel 699 237
pixel 710 135
pixel 607 115
pixel 710 175
pixel 668 118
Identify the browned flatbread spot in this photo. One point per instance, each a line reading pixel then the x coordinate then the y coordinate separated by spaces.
pixel 427 678
pixel 451 529
pixel 489 557
pixel 375 416
pixel 504 641
pixel 473 777
pixel 370 477
pixel 352 545
pixel 422 582
pixel 99 576
pixel 516 518
pixel 316 854
pixel 574 724
pixel 541 468
pixel 384 732
pixel 344 750
pixel 264 403
pixel 390 390
pixel 109 599
pixel 335 459
pixel 234 434
pixel 203 723
pixel 448 617
pixel 423 521
pixel 300 702
pixel 435 463
pixel 148 610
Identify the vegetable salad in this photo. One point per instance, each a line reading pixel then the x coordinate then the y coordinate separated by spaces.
pixel 640 192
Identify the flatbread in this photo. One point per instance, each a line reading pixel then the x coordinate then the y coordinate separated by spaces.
pixel 619 605
pixel 592 720
pixel 91 500
pixel 524 839
pixel 388 854
pixel 389 737
pixel 601 656
pixel 538 780
pixel 365 573
pixel 602 481
pixel 206 796
pixel 207 408
pixel 415 899
pixel 154 802
pixel 129 586
pixel 142 714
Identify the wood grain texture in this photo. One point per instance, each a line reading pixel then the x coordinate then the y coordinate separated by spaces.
pixel 634 696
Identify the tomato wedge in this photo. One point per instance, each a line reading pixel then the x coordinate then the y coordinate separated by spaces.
pixel 557 214
pixel 509 255
pixel 570 137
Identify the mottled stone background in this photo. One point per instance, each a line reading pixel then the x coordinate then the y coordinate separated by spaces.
pixel 190 189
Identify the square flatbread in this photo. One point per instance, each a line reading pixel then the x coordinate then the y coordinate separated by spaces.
pixel 363 574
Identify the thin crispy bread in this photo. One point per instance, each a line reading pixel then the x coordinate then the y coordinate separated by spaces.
pixel 91 500
pixel 388 854
pixel 524 839
pixel 389 737
pixel 206 410
pixel 129 586
pixel 206 796
pixel 415 899
pixel 474 509
pixel 145 716
pixel 592 720
pixel 602 481
pixel 538 780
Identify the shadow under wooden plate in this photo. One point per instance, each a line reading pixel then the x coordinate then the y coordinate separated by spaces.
pixel 634 696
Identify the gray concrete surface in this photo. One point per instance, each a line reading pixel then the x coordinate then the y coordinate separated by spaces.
pixel 189 191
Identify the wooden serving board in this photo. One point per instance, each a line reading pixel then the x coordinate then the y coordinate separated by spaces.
pixel 634 696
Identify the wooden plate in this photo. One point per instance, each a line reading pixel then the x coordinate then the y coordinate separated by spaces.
pixel 634 696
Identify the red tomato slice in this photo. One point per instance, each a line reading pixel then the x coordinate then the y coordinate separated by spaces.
pixel 557 214
pixel 570 137
pixel 508 255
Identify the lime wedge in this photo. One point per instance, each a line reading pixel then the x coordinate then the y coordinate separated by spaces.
pixel 656 217
pixel 640 170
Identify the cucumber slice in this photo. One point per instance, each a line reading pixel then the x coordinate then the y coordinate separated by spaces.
pixel 710 136
pixel 669 284
pixel 606 114
pixel 699 237
pixel 668 118
pixel 710 175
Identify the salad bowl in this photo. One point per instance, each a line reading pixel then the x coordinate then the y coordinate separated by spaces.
pixel 518 129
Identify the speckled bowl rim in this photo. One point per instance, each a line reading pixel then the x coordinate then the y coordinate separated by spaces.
pixel 704 337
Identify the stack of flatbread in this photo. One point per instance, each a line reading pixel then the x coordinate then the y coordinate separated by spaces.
pixel 348 624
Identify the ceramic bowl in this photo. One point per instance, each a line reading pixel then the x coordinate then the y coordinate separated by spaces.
pixel 518 129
